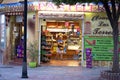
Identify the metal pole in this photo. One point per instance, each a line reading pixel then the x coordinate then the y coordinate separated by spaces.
pixel 24 65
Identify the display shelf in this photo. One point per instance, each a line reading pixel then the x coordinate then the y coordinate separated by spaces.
pixel 46 46
pixel 48 40
pixel 74 38
pixel 48 35
pixel 73 41
pixel 60 30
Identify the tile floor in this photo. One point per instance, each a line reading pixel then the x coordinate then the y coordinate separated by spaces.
pixel 62 63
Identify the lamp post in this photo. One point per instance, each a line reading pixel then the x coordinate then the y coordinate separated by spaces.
pixel 24 65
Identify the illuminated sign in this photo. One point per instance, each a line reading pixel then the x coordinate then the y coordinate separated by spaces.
pixel 97 24
pixel 49 6
pixel 78 7
pixel 65 15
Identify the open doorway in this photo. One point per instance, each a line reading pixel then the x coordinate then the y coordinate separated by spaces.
pixel 61 42
pixel 16 39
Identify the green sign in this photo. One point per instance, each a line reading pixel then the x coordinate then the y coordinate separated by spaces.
pixel 102 47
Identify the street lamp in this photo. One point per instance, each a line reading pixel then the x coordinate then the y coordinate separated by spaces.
pixel 24 65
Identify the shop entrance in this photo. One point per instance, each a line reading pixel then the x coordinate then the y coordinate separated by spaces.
pixel 61 42
pixel 16 39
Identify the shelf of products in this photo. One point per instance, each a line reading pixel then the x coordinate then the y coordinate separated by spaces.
pixel 70 36
pixel 74 40
pixel 61 24
pixel 46 47
pixel 56 38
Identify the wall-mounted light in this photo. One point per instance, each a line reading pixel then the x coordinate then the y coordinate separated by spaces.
pixel 44 19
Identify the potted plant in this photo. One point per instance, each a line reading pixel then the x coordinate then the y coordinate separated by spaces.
pixel 33 54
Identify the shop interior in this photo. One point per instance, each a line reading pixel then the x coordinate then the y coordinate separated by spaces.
pixel 16 40
pixel 61 40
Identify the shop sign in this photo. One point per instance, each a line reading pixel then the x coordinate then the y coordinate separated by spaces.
pixel 98 24
pixel 61 15
pixel 78 7
pixel 102 47
pixel 49 6
pixel 102 23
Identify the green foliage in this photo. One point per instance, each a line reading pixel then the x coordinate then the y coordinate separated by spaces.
pixel 33 51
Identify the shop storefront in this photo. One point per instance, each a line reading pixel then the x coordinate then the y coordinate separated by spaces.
pixel 66 21
pixel 80 28
pixel 14 24
pixel 66 26
pixel 13 32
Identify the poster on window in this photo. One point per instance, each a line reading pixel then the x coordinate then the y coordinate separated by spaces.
pixel 87 28
pixel 102 47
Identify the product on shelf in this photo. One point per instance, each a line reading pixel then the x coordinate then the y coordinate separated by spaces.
pixel 46 45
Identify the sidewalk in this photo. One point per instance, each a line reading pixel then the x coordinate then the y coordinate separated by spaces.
pixel 51 73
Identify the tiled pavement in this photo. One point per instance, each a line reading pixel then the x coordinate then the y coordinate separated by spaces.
pixel 51 73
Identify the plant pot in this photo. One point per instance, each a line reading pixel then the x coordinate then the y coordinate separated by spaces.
pixel 32 64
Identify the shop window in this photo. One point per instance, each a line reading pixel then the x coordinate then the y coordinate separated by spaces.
pixel 2 31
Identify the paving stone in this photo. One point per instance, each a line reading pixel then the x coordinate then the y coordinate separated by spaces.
pixel 51 73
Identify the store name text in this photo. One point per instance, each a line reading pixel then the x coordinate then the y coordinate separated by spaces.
pixel 101 20
pixel 53 7
pixel 99 31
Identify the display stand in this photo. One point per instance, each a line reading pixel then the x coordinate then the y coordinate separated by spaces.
pixel 46 45
pixel 88 58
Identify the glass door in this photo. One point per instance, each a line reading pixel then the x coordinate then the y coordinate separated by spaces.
pixel 2 36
